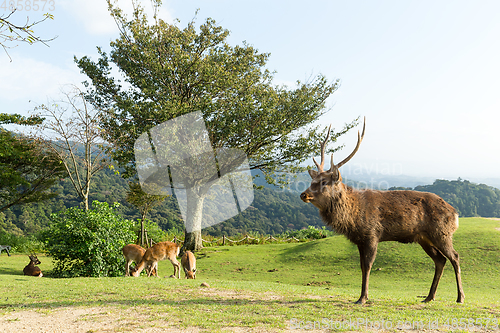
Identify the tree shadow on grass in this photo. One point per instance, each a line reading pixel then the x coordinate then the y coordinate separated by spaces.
pixel 10 271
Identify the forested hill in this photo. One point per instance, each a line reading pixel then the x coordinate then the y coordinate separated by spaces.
pixel 273 210
pixel 469 199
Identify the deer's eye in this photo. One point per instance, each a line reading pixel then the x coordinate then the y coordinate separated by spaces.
pixel 324 183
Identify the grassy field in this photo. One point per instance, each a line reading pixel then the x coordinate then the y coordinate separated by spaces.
pixel 280 287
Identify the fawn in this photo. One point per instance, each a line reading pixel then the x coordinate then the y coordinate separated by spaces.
pixel 134 253
pixel 188 262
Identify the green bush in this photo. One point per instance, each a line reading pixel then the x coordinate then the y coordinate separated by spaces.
pixel 88 243
pixel 310 233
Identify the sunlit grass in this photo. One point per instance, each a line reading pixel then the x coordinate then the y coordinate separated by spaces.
pixel 276 286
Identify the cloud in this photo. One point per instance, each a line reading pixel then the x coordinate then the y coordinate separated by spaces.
pixel 30 79
pixel 94 15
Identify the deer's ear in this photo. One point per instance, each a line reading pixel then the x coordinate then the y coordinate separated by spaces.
pixel 335 174
pixel 313 173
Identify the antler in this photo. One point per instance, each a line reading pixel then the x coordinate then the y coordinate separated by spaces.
pixel 360 138
pixel 323 145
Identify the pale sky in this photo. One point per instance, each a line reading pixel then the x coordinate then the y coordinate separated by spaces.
pixel 426 74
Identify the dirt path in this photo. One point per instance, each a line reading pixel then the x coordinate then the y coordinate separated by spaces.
pixel 96 320
pixel 75 320
pixel 112 319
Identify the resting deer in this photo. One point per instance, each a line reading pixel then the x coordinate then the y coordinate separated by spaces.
pixel 31 269
pixel 368 217
pixel 188 262
pixel 159 251
pixel 134 253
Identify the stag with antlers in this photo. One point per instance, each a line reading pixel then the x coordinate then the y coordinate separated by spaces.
pixel 368 217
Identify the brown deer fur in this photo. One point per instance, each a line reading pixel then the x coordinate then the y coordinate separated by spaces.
pixel 133 253
pixel 188 262
pixel 367 217
pixel 159 251
pixel 31 269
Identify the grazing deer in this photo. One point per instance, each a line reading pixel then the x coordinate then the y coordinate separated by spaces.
pixel 31 269
pixel 368 217
pixel 188 262
pixel 134 253
pixel 159 251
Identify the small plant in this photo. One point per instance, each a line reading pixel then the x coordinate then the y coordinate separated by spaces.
pixel 88 243
pixel 310 233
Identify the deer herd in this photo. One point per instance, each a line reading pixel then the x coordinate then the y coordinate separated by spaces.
pixel 148 259
pixel 143 259
pixel 366 217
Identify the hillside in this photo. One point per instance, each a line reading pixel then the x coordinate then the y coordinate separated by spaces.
pixel 273 211
pixel 469 199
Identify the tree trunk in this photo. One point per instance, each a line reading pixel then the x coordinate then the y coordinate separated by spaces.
pixel 142 232
pixel 194 215
pixel 192 241
pixel 85 202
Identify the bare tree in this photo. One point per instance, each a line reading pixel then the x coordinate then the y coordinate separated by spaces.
pixel 71 131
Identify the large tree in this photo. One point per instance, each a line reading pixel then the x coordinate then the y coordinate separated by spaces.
pixel 170 72
pixel 27 168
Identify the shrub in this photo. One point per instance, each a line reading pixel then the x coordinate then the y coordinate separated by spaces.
pixel 88 243
pixel 310 232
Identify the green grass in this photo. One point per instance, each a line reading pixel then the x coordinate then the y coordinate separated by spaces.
pixel 265 286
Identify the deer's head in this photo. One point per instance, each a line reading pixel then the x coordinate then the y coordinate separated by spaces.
pixel 34 260
pixel 190 274
pixel 327 184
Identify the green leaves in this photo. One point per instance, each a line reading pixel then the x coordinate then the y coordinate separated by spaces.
pixel 27 169
pixel 171 71
pixel 88 243
pixel 6 118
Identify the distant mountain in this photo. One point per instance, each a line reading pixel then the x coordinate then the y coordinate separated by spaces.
pixel 274 210
pixel 469 199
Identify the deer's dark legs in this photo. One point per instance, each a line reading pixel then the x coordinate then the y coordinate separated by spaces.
pixel 439 262
pixel 447 249
pixel 367 253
